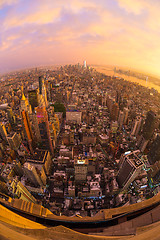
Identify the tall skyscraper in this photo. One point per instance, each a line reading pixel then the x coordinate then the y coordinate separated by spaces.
pixel 154 153
pixel 121 119
pixel 149 125
pixel 22 192
pixel 130 167
pixel 49 90
pixel 114 112
pixel 40 85
pixel 42 92
pixel 25 104
pixel 35 127
pixel 3 131
pixel 43 123
pixel 13 140
pixel 125 110
pixel 28 129
pixel 32 174
pixel 11 117
pixel 136 126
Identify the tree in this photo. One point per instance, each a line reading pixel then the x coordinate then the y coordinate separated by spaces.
pixel 59 107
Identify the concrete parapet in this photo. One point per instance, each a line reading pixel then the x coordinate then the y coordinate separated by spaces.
pixel 14 219
pixel 110 213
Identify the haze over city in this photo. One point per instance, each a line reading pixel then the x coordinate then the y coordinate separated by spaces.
pixel 108 32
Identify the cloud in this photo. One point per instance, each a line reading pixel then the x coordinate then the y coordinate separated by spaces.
pixel 43 12
pixel 132 6
pixel 105 31
pixel 139 7
pixel 4 3
pixel 35 18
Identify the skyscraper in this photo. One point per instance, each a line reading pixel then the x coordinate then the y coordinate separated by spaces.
pixel 154 153
pixel 28 130
pixel 25 104
pixel 43 123
pixel 42 92
pixel 40 85
pixel 3 131
pixel 149 125
pixel 136 126
pixel 14 140
pixel 80 166
pixel 125 110
pixel 121 119
pixel 36 131
pixel 114 112
pixel 130 167
pixel 11 117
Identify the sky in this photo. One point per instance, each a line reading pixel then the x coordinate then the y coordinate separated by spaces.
pixel 104 32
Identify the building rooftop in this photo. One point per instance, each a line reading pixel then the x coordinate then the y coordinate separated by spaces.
pixel 38 157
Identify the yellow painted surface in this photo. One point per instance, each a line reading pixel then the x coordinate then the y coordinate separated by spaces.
pixel 14 219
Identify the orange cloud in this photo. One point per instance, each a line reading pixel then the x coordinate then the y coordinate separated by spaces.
pixel 132 6
pixel 125 34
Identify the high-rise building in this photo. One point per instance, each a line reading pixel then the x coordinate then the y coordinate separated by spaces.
pixel 121 119
pixel 44 93
pixel 142 143
pixel 35 127
pixel 3 131
pixel 42 162
pixel 43 124
pixel 80 166
pixel 125 110
pixel 25 104
pixel 49 90
pixel 33 98
pixel 136 126
pixel 110 102
pixel 118 96
pixel 149 125
pixel 33 174
pixel 11 117
pixel 40 85
pixel 28 129
pixel 154 153
pixel 114 112
pixel 22 192
pixel 48 162
pixel 130 167
pixel 14 140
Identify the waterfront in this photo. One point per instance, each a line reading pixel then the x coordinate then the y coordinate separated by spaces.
pixel 110 71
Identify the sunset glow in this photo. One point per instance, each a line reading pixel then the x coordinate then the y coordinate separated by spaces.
pixel 108 32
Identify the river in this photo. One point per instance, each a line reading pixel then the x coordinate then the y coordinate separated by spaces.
pixel 110 71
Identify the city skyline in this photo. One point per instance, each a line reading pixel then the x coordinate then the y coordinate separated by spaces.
pixel 117 32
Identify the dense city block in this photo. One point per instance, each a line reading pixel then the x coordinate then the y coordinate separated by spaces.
pixel 76 140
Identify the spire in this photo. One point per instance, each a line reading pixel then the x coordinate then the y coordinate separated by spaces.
pixel 23 97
